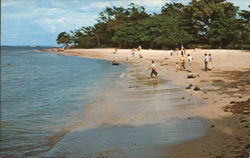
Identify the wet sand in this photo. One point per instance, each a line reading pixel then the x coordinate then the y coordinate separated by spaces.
pixel 228 82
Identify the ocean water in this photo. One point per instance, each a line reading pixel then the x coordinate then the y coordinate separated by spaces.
pixel 41 93
pixel 62 106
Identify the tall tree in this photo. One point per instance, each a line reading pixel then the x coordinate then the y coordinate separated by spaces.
pixel 64 38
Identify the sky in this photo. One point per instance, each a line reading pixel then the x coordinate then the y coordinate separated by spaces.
pixel 38 22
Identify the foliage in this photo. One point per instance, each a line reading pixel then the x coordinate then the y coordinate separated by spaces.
pixel 64 38
pixel 216 23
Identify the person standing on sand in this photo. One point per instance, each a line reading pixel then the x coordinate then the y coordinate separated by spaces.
pixel 177 51
pixel 206 61
pixel 176 66
pixel 210 62
pixel 182 63
pixel 189 59
pixel 171 52
pixel 153 69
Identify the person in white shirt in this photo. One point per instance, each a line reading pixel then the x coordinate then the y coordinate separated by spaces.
pixel 206 62
pixel 171 52
pixel 189 61
pixel 153 69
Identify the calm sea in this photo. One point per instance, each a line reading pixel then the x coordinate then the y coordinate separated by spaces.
pixel 43 92
pixel 62 106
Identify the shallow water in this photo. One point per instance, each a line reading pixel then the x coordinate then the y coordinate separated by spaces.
pixel 58 106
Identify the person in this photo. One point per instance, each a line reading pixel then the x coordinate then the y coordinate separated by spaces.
pixel 177 51
pixel 133 52
pixel 195 50
pixel 139 48
pixel 153 69
pixel 206 61
pixel 115 51
pixel 182 62
pixel 171 52
pixel 177 66
pixel 189 59
pixel 210 62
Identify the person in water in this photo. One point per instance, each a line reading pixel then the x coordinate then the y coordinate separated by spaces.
pixel 153 70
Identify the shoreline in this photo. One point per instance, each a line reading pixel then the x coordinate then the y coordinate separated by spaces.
pixel 223 139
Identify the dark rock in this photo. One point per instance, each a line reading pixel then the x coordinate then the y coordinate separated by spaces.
pixel 243 121
pixel 183 98
pixel 233 102
pixel 196 88
pixel 189 118
pixel 212 126
pixel 133 87
pixel 191 76
pixel 188 87
pixel 247 146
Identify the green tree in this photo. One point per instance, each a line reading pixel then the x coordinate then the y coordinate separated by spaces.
pixel 202 13
pixel 64 38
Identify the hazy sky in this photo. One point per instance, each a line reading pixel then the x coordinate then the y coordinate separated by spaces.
pixel 38 22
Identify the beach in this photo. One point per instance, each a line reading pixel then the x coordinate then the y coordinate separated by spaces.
pixel 221 90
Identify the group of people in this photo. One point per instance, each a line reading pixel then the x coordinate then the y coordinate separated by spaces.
pixel 208 62
pixel 181 64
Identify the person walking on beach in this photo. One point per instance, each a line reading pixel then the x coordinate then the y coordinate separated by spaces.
pixel 182 63
pixel 206 61
pixel 189 59
pixel 153 69
pixel 210 62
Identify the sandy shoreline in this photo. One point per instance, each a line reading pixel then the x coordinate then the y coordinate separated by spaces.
pixel 228 82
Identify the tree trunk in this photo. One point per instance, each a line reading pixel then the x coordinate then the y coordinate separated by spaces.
pixel 98 41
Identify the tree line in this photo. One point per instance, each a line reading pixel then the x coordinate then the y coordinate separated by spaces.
pixel 201 23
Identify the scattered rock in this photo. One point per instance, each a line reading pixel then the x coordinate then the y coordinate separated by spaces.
pixel 247 146
pixel 183 98
pixel 197 88
pixel 212 126
pixel 189 86
pixel 164 64
pixel 189 118
pixel 242 107
pixel 243 121
pixel 133 87
pixel 115 63
pixel 191 76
